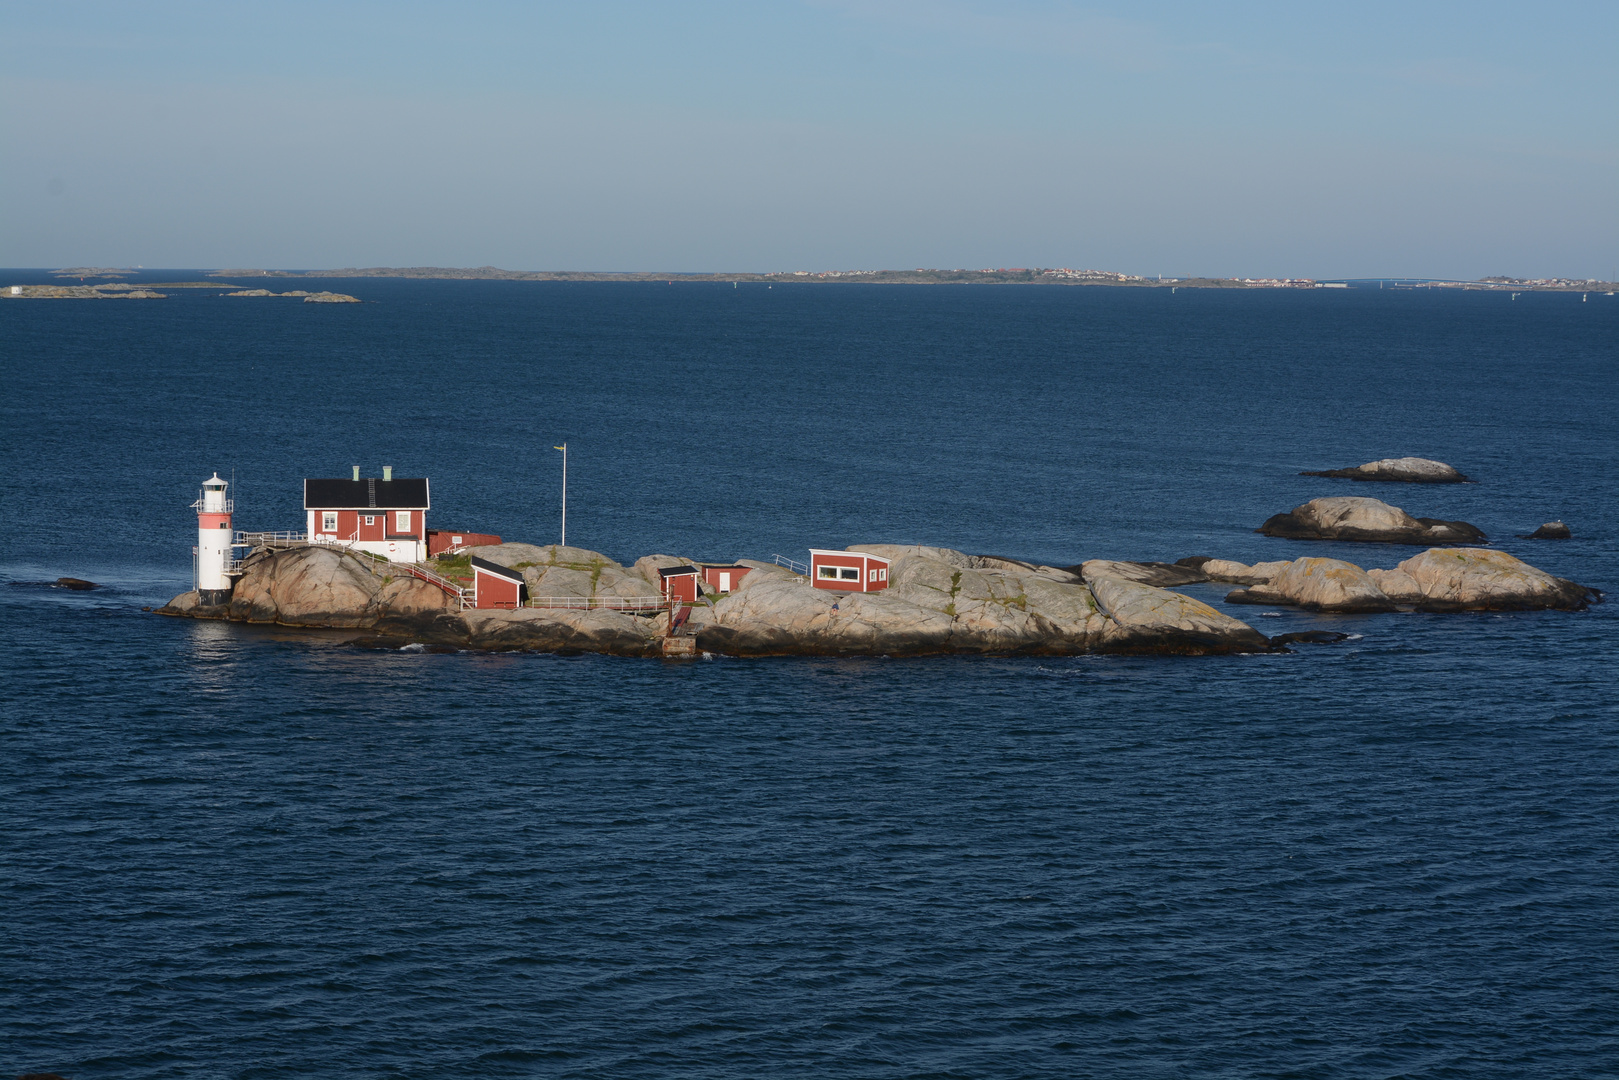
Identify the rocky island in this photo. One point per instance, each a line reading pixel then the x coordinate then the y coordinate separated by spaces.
pixel 308 297
pixel 1439 579
pixel 112 291
pixel 1405 470
pixel 1352 517
pixel 939 601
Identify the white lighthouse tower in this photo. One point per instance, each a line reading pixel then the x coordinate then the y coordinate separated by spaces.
pixel 214 537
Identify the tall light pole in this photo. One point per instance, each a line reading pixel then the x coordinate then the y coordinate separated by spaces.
pixel 564 449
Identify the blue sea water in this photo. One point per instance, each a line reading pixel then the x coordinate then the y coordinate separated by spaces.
pixel 250 852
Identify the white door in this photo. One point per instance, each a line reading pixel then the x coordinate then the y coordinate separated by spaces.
pixel 725 581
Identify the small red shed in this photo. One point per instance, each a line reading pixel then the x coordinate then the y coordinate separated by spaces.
pixel 848 571
pixel 442 540
pixel 724 578
pixel 680 583
pixel 496 586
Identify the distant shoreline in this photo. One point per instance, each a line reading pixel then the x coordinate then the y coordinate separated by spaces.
pixel 1005 276
pixel 880 277
pixel 1002 276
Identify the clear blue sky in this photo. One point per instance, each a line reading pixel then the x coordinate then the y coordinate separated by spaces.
pixel 1351 139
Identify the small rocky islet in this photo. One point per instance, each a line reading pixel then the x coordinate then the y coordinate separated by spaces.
pixel 308 297
pixel 939 601
pixel 1368 521
pixel 1402 470
pixel 1439 579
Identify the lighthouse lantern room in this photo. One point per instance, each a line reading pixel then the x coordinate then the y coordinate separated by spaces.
pixel 214 538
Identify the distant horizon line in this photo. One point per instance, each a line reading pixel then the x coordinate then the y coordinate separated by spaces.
pixel 920 275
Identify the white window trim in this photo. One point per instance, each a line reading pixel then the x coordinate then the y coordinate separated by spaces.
pixel 827 572
pixel 849 573
pixel 328 521
pixel 401 521
pixel 370 519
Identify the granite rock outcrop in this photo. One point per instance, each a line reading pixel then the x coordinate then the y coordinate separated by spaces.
pixel 1236 573
pixel 1439 579
pixel 1350 517
pixel 1318 585
pixel 1551 530
pixel 944 601
pixel 1478 579
pixel 319 587
pixel 1161 574
pixel 554 570
pixel 1404 470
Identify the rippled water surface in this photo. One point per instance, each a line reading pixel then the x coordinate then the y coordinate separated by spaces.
pixel 249 852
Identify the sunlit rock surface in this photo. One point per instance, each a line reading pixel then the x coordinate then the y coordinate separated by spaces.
pixel 1405 470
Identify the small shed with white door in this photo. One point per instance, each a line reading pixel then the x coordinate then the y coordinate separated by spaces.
pixel 724 578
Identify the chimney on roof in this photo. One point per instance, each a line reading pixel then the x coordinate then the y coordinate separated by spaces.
pixel 356 474
pixel 387 473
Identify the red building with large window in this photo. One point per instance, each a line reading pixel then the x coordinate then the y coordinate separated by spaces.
pixel 848 571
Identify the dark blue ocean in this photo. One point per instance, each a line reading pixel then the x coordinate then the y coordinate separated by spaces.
pixel 246 852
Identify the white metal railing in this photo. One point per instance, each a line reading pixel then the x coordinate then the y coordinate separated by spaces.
pixel 607 603
pixel 382 567
pixel 230 506
pixel 270 539
pixel 795 567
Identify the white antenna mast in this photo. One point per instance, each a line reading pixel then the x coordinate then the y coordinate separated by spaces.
pixel 564 449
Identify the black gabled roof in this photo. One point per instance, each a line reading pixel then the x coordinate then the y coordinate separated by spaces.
pixel 498 570
pixel 677 571
pixel 397 494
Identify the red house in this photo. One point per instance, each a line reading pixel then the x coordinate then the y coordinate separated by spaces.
pixel 680 583
pixel 441 540
pixel 496 586
pixel 386 517
pixel 848 571
pixel 724 578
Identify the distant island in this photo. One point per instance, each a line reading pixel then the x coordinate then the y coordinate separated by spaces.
pixel 122 291
pixel 1002 276
pixel 1014 275
pixel 1006 275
